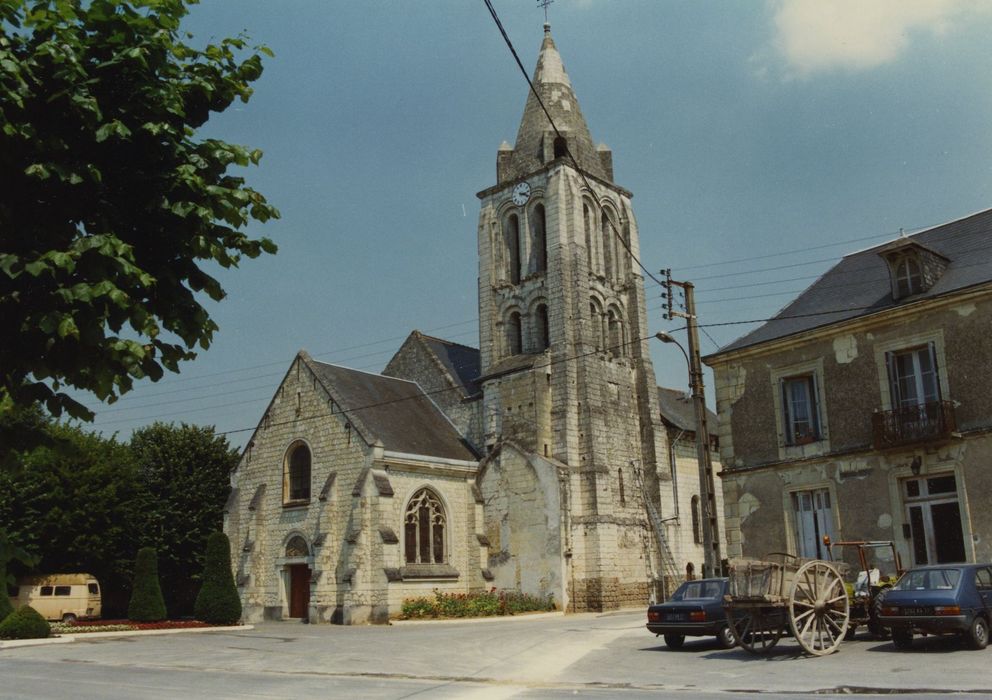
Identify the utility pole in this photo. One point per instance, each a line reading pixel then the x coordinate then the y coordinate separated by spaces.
pixel 707 491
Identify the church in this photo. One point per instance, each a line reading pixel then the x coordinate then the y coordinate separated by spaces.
pixel 546 460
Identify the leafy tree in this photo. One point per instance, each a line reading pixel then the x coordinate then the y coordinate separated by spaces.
pixel 9 552
pixel 185 477
pixel 75 506
pixel 112 210
pixel 147 604
pixel 218 601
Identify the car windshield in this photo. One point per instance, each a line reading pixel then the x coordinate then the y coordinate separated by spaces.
pixel 698 590
pixel 929 580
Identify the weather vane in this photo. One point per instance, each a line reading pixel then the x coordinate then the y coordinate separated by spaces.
pixel 543 4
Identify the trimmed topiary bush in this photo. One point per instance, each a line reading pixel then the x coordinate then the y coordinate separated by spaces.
pixel 147 604
pixel 218 602
pixel 25 623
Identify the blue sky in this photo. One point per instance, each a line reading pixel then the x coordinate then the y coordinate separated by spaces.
pixel 762 140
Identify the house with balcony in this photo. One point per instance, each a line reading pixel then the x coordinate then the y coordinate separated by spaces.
pixel 862 411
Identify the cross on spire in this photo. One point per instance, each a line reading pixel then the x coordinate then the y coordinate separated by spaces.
pixel 543 4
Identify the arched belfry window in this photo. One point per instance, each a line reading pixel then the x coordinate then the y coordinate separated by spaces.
pixel 561 147
pixel 424 529
pixel 514 334
pixel 608 248
pixel 615 335
pixel 596 325
pixel 296 474
pixel 590 245
pixel 542 332
pixel 511 237
pixel 297 548
pixel 539 239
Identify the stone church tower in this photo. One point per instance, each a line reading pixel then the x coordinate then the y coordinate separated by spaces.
pixel 571 428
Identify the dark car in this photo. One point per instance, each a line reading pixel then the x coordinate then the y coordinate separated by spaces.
pixel 941 599
pixel 694 610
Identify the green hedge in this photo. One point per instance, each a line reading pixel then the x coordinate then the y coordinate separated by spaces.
pixel 147 604
pixel 218 602
pixel 485 604
pixel 24 623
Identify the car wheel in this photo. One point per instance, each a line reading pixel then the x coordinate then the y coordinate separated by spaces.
pixel 903 639
pixel 978 635
pixel 68 618
pixel 674 641
pixel 726 638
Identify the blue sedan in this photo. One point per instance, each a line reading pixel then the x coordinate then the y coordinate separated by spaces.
pixel 941 599
pixel 694 610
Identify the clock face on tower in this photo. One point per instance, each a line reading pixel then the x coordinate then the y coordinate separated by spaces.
pixel 521 193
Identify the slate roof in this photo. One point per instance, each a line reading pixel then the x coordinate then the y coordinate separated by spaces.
pixel 553 85
pixel 396 411
pixel 859 284
pixel 677 409
pixel 461 361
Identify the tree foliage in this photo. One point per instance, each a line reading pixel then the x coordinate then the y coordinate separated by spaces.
pixel 218 602
pixel 91 503
pixel 185 476
pixel 147 603
pixel 112 210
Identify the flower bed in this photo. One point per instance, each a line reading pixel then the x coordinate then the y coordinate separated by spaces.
pixel 84 626
pixel 486 604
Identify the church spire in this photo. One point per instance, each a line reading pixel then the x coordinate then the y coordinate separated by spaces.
pixel 536 140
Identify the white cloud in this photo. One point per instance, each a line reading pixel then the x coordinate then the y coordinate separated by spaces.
pixel 817 35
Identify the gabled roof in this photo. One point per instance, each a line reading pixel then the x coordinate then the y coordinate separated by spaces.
pixel 677 410
pixel 553 85
pixel 461 362
pixel 395 411
pixel 859 284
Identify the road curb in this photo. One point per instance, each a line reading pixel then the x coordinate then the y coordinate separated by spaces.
pixel 66 638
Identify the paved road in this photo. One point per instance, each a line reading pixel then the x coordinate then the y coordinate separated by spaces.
pixel 595 656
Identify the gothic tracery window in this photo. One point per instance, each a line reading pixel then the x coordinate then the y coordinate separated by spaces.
pixel 424 529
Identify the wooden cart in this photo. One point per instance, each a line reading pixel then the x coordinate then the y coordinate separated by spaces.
pixel 765 598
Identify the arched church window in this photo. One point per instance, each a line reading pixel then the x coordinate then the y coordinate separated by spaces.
pixel 541 328
pixel 296 474
pixel 696 535
pixel 590 246
pixel 514 334
pixel 539 239
pixel 424 529
pixel 297 547
pixel 561 147
pixel 608 249
pixel 511 236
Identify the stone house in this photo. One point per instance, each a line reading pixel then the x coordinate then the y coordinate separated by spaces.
pixel 860 411
pixel 527 463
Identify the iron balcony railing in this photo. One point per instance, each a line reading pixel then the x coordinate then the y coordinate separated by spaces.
pixel 903 426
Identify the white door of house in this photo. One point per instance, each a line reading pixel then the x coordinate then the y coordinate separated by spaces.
pixel 813 519
pixel 934 517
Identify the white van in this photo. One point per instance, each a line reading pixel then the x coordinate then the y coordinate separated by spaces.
pixel 65 597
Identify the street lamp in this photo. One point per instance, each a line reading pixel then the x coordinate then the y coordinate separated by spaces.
pixel 711 536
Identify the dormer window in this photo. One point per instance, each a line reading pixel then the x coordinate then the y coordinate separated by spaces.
pixel 908 278
pixel 913 267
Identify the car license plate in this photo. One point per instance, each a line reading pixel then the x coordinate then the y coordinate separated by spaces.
pixel 915 611
pixel 675 617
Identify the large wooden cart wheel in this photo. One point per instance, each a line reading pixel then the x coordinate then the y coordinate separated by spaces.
pixel 755 629
pixel 819 611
